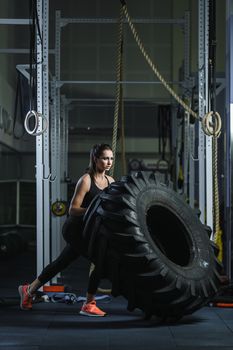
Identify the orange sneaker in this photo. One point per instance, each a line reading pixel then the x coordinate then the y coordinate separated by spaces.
pixel 90 309
pixel 25 297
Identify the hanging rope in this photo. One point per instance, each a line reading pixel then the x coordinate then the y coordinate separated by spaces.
pixel 217 238
pixel 123 160
pixel 215 116
pixel 211 123
pixel 122 111
pixel 118 105
pixel 118 86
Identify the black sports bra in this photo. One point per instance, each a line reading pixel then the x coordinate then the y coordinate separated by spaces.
pixel 94 190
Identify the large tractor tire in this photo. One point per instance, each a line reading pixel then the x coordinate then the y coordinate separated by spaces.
pixel 159 255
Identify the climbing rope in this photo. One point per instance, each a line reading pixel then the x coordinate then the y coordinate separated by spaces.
pixel 122 112
pixel 211 125
pixel 118 85
pixel 123 160
pixel 206 126
pixel 217 236
pixel 152 65
pixel 118 105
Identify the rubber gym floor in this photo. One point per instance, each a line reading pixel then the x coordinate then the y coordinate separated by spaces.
pixel 59 326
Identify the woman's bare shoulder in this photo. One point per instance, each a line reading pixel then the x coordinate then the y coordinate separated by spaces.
pixel 84 180
pixel 85 177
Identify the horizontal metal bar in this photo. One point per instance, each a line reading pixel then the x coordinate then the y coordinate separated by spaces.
pixel 25 51
pixel 65 21
pixel 19 181
pixel 18 225
pixel 20 51
pixel 62 82
pixel 18 21
pixel 94 100
pixel 138 104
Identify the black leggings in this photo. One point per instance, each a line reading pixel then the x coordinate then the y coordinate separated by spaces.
pixel 98 271
pixel 72 233
pixel 66 257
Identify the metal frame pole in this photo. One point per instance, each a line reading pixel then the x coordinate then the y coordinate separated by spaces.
pixel 201 107
pixel 42 142
pixel 56 146
pixel 55 195
pixel 64 146
pixel 190 181
pixel 187 94
pixel 208 139
pixel 204 188
pixel 63 155
pixel 39 160
pixel 229 137
pixel 46 136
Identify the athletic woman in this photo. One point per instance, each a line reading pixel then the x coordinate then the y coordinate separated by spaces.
pixel 89 185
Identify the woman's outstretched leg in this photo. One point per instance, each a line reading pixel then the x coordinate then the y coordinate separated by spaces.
pixel 26 292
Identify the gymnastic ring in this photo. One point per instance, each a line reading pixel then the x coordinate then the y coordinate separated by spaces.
pixel 208 127
pixel 34 131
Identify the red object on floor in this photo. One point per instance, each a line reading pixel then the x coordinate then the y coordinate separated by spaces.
pixel 54 288
pixel 224 304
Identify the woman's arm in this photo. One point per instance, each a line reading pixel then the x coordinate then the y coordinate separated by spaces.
pixel 82 187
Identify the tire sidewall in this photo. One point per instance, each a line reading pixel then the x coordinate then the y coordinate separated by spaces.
pixel 198 239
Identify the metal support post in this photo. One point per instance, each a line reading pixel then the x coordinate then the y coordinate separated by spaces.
pixel 56 145
pixel 64 147
pixel 186 152
pixel 63 156
pixel 190 134
pixel 229 137
pixel 183 129
pixel 42 142
pixel 201 107
pixel 208 139
pixel 187 52
pixel 186 95
pixel 55 171
pixel 205 146
pixel 192 166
